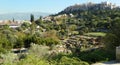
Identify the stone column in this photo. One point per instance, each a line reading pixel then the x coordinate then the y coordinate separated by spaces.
pixel 118 54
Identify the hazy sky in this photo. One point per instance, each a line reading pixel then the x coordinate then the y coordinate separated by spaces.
pixel 47 6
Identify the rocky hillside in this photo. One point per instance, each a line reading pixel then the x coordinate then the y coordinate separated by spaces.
pixel 89 6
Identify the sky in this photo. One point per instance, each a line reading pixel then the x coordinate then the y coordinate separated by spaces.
pixel 46 6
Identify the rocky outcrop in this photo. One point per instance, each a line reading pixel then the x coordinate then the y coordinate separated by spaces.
pixel 89 6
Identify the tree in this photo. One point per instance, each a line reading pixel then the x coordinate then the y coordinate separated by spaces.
pixel 32 28
pixel 39 22
pixel 32 18
pixel 64 60
pixel 112 39
pixel 6 27
pixel 13 20
pixel 40 18
pixel 72 27
pixel 25 25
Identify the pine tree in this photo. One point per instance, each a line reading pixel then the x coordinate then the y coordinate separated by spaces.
pixel 31 18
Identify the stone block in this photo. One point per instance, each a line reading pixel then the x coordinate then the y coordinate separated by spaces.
pixel 118 54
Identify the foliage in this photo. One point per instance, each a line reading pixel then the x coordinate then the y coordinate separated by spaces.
pixel 111 40
pixel 8 58
pixel 39 50
pixel 49 33
pixel 32 18
pixel 98 55
pixel 62 59
pixel 72 27
pixel 32 60
pixel 7 39
pixel 40 40
pixel 25 25
pixel 20 40
pixel 39 22
pixel 6 27
pixel 71 61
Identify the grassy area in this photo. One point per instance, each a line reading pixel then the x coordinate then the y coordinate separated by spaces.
pixel 95 34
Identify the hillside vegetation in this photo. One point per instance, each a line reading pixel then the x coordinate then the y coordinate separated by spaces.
pixel 78 35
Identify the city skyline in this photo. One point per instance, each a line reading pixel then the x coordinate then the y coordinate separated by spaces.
pixel 46 6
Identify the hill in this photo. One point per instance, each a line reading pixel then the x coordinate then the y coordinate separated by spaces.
pixel 89 6
pixel 89 17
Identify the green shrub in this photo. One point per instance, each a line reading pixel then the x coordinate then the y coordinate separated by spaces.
pixel 96 56
pixel 66 59
pixel 32 60
pixel 40 40
pixel 71 61
pixel 9 58
pixel 39 50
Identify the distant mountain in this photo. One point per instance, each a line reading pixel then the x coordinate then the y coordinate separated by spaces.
pixel 89 6
pixel 22 16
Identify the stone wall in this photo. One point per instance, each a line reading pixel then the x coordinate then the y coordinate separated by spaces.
pixel 118 53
